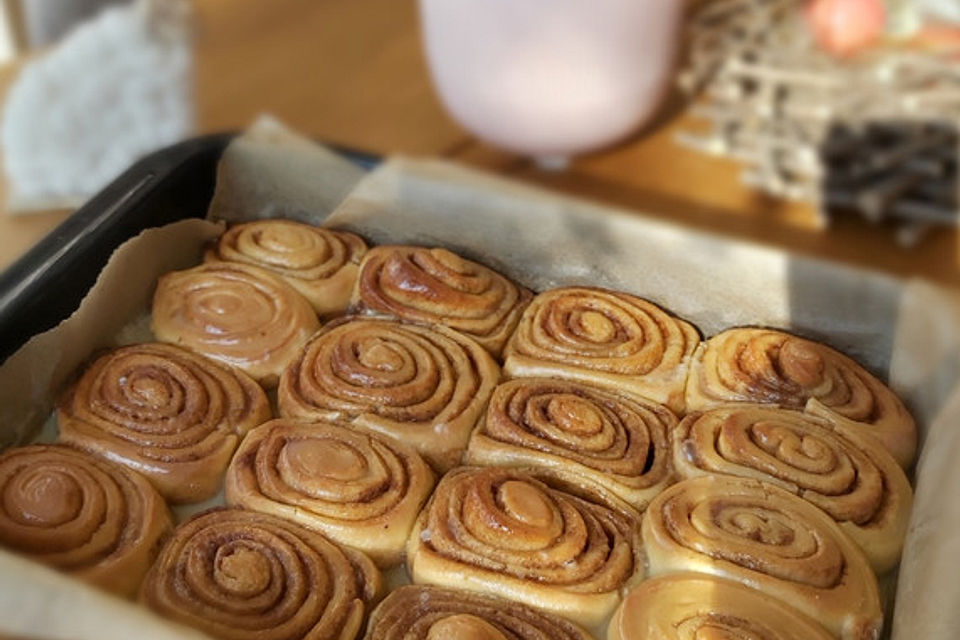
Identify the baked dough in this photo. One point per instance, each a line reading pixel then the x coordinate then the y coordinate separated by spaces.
pixel 83 515
pixel 503 532
pixel 604 338
pixel 424 386
pixel 775 367
pixel 241 575
pixel 436 286
pixel 240 315
pixel 581 432
pixel 769 539
pixel 361 489
pixel 172 415
pixel 322 265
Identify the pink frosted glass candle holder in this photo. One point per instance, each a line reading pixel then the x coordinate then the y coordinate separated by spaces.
pixel 552 78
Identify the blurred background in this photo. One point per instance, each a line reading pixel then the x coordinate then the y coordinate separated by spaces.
pixel 825 127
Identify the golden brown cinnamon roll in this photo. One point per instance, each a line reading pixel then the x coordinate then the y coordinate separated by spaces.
pixel 846 474
pixel 435 286
pixel 81 514
pixel 580 432
pixel 319 263
pixel 766 538
pixel 169 414
pixel 691 606
pixel 361 489
pixel 774 367
pixel 502 532
pixel 426 387
pixel 417 612
pixel 242 316
pixel 242 575
pixel 606 338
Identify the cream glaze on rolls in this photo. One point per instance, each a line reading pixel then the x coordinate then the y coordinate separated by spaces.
pixel 769 539
pixel 240 315
pixel 416 612
pixel 361 489
pixel 424 386
pixel 321 264
pixel 436 286
pixel 691 606
pixel 774 367
pixel 504 532
pixel 172 415
pixel 241 575
pixel 604 338
pixel 80 514
pixel 844 472
pixel 584 433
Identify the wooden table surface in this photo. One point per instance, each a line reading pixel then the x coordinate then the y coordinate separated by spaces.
pixel 353 73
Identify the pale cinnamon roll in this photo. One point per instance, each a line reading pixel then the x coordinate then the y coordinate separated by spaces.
pixel 435 286
pixel 241 315
pixel 426 387
pixel 503 532
pixel 846 474
pixel 174 416
pixel 415 612
pixel 691 606
pixel 769 539
pixel 774 367
pixel 581 432
pixel 319 263
pixel 80 514
pixel 361 489
pixel 241 575
pixel 606 338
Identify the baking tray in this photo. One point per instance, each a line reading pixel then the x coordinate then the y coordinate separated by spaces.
pixel 47 283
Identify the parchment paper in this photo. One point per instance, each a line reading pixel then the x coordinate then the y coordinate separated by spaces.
pixel 908 333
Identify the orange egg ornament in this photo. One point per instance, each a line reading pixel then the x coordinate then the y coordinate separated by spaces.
pixel 846 27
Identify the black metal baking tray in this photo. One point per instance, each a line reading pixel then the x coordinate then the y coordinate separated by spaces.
pixel 47 283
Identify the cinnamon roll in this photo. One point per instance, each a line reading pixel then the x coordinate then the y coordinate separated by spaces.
pixel 503 532
pixel 81 514
pixel 846 474
pixel 415 612
pixel 361 489
pixel 241 575
pixel 581 432
pixel 426 387
pixel 773 367
pixel 606 338
pixel 769 539
pixel 174 416
pixel 435 286
pixel 241 315
pixel 319 263
pixel 690 606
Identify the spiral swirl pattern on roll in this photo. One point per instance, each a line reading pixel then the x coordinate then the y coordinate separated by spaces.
pixel 849 476
pixel 582 432
pixel 607 338
pixel 774 367
pixel 697 607
pixel 80 514
pixel 169 414
pixel 426 387
pixel 360 489
pixel 435 286
pixel 241 575
pixel 431 613
pixel 319 263
pixel 760 535
pixel 501 531
pixel 241 315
